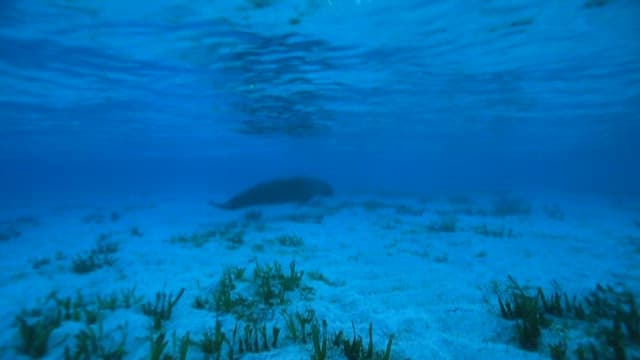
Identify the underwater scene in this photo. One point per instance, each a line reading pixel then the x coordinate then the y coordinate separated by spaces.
pixel 320 179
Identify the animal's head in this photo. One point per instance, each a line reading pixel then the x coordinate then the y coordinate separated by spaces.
pixel 323 189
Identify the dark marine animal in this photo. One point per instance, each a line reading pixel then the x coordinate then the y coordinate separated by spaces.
pixel 279 191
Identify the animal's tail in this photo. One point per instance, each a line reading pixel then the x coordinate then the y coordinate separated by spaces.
pixel 218 205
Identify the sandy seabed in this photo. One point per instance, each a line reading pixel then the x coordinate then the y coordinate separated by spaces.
pixel 424 269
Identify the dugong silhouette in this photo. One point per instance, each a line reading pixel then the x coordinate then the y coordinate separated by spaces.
pixel 279 191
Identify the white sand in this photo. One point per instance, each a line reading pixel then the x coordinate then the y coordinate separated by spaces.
pixel 427 288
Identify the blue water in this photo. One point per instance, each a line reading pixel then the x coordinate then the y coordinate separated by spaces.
pixel 410 94
pixel 106 101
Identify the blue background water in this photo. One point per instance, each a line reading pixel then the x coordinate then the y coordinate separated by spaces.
pixel 115 97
